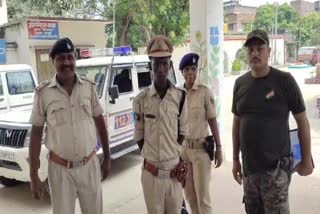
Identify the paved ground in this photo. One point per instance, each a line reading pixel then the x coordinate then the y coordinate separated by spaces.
pixel 123 194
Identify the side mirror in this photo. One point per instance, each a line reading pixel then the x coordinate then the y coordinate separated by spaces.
pixel 114 93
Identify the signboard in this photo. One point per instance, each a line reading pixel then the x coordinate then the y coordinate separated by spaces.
pixel 3 53
pixel 43 30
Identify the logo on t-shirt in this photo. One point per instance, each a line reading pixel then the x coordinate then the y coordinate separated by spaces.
pixel 270 94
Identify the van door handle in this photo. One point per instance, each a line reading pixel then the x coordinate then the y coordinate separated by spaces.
pixel 131 98
pixel 1 99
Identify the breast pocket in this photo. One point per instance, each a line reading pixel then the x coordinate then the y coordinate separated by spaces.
pixel 197 112
pixel 85 109
pixel 57 114
pixel 173 114
pixel 150 124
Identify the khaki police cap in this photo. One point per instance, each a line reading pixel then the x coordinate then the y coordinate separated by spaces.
pixel 159 46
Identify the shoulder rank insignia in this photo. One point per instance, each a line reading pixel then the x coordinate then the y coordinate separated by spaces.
pixel 142 94
pixel 87 79
pixel 42 85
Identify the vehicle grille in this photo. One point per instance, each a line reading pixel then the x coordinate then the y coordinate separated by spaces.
pixel 12 137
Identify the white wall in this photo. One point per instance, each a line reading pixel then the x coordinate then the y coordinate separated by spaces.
pixel 3 12
pixel 232 46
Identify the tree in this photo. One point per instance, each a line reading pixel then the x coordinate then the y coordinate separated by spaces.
pixel 65 8
pixel 309 29
pixel 287 18
pixel 137 21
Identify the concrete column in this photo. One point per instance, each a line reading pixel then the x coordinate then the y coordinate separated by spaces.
pixel 206 30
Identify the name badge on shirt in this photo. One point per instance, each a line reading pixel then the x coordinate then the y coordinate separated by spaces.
pixel 270 94
pixel 150 116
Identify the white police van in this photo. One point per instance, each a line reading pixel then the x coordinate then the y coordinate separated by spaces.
pixel 119 77
pixel 17 84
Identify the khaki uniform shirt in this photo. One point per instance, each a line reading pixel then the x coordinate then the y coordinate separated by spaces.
pixel 200 109
pixel 156 121
pixel 70 130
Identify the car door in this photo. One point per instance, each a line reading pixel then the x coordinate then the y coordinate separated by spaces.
pixel 3 97
pixel 121 120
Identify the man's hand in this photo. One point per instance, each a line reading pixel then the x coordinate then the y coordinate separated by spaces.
pixel 237 171
pixel 304 168
pixel 36 187
pixel 105 168
pixel 218 158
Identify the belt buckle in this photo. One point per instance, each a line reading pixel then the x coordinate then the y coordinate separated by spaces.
pixel 77 164
pixel 163 174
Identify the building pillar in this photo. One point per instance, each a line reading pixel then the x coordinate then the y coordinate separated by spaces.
pixel 206 30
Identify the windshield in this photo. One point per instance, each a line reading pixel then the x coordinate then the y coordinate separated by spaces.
pixel 96 74
pixel 20 82
pixel 305 51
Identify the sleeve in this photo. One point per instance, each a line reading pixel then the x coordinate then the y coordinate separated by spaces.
pixel 138 120
pixel 234 107
pixel 38 116
pixel 95 103
pixel 183 119
pixel 209 105
pixel 294 96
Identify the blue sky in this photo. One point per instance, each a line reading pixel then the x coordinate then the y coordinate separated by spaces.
pixel 256 3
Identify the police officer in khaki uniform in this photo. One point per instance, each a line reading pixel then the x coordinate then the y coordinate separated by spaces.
pixel 201 113
pixel 160 127
pixel 68 107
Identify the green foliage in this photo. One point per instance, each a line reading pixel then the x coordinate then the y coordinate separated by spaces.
pixel 236 66
pixel 136 20
pixel 310 29
pixel 265 18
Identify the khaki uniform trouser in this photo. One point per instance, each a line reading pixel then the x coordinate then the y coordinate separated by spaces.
pixel 162 195
pixel 197 189
pixel 83 182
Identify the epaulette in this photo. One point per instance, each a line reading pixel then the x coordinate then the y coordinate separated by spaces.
pixel 181 88
pixel 142 94
pixel 202 86
pixel 42 85
pixel 87 79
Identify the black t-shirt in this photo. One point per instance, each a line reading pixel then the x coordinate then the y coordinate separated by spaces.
pixel 263 106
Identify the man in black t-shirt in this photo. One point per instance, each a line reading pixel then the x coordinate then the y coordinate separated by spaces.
pixel 262 101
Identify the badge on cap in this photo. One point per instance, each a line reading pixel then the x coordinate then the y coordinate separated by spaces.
pixel 68 46
pixel 194 60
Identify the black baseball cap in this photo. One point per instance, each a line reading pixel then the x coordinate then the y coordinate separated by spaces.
pixel 259 35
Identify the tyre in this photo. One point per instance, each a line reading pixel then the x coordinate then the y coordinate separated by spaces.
pixel 9 182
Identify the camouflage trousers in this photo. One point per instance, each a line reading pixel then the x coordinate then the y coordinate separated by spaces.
pixel 267 193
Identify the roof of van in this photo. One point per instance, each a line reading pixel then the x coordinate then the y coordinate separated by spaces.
pixel 15 67
pixel 96 61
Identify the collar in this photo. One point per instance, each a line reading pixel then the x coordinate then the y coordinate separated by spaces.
pixel 153 90
pixel 194 87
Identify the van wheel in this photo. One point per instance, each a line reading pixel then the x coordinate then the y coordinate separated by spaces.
pixel 9 182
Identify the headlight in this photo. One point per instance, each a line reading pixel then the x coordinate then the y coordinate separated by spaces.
pixel 28 136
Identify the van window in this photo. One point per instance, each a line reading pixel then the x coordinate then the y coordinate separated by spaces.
pixel 1 87
pixel 144 78
pixel 122 77
pixel 96 74
pixel 20 82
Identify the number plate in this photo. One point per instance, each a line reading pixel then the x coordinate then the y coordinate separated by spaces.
pixel 8 156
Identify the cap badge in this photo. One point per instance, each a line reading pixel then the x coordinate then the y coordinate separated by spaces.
pixel 68 46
